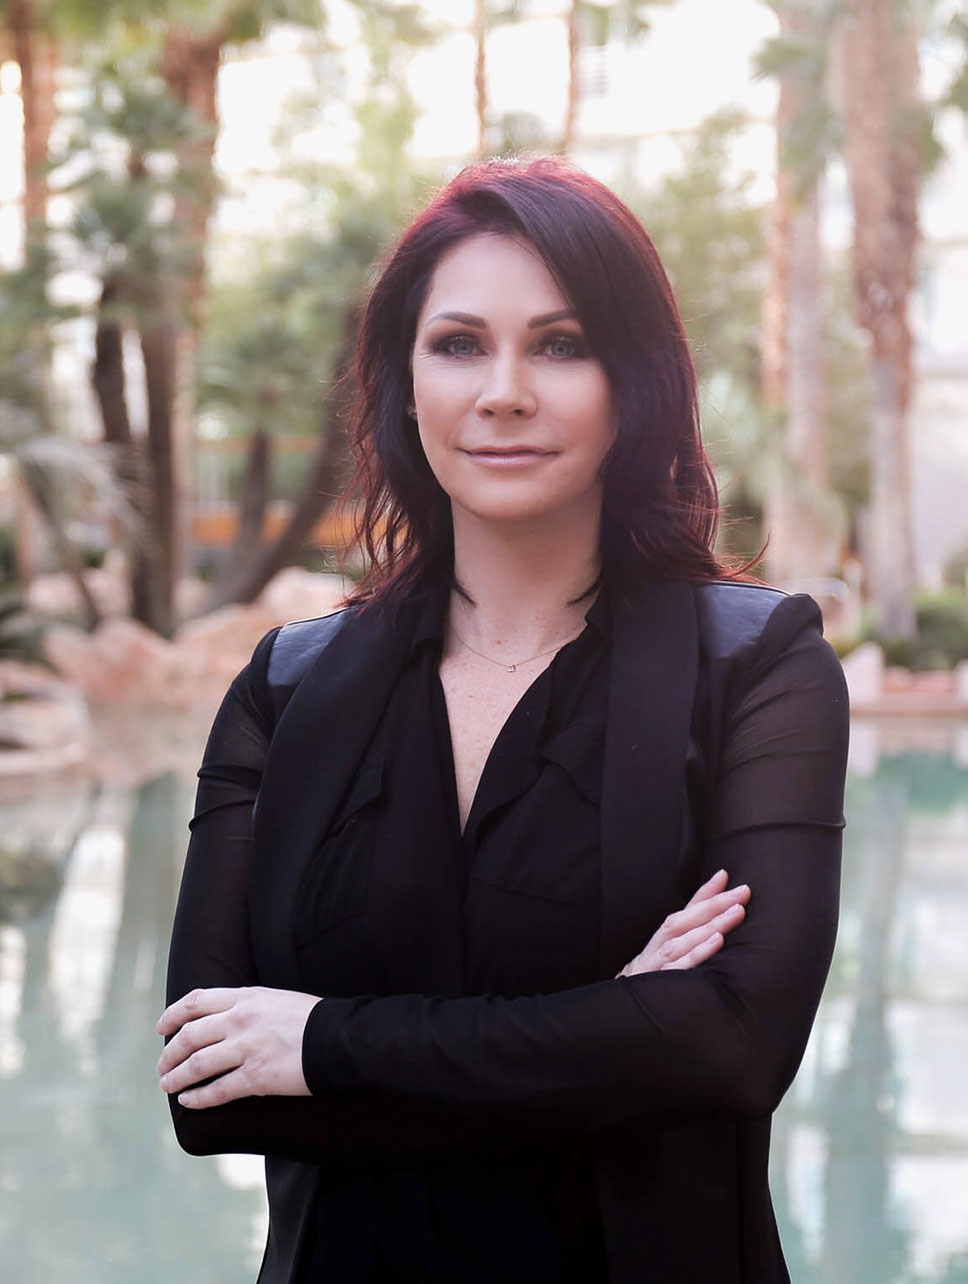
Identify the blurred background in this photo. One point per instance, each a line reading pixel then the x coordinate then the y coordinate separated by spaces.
pixel 193 194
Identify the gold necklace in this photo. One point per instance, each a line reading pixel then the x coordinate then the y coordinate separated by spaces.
pixel 512 668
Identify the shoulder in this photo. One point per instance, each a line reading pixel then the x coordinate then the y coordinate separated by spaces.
pixel 738 620
pixel 762 645
pixel 297 645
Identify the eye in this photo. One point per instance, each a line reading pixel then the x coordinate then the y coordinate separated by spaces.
pixel 457 345
pixel 563 346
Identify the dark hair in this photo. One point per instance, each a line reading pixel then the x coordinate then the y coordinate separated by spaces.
pixel 660 506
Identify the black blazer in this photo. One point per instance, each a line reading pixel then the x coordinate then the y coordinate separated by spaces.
pixel 678 1114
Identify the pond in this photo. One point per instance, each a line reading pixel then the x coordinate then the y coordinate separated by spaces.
pixel 870 1161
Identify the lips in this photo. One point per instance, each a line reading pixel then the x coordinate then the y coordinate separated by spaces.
pixel 508 452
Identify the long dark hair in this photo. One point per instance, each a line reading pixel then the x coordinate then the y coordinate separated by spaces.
pixel 660 505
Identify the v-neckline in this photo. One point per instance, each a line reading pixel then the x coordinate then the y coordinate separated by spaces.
pixel 525 765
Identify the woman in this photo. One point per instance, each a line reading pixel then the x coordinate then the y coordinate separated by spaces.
pixel 518 764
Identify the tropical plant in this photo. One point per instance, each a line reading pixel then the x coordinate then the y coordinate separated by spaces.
pixel 595 23
pixel 57 477
pixel 792 348
pixel 267 359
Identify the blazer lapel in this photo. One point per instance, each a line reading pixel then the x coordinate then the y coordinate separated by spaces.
pixel 651 696
pixel 317 745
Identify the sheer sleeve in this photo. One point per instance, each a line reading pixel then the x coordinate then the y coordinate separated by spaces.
pixel 726 1037
pixel 211 946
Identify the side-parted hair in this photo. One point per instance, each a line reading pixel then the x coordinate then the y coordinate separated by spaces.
pixel 660 505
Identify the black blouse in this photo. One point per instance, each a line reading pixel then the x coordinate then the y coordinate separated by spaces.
pixel 399 901
pixel 670 1076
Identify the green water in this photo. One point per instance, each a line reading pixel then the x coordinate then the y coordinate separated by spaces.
pixel 870 1162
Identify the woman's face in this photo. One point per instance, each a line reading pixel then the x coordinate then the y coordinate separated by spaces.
pixel 514 415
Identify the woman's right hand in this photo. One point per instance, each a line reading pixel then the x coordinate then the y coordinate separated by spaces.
pixel 694 934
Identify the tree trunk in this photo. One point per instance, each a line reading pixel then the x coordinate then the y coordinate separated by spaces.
pixel 158 338
pixel 480 75
pixel 108 380
pixel 67 555
pixel 791 354
pixel 36 54
pixel 883 164
pixel 189 68
pixel 247 546
pixel 324 482
pixel 571 104
pixel 773 306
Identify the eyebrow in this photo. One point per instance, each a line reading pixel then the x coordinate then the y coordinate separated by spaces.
pixel 478 323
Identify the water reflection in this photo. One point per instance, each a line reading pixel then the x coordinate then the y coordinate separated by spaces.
pixel 870 1170
pixel 94 1186
pixel 870 1164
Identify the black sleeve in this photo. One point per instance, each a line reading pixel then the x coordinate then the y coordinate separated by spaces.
pixel 211 946
pixel 412 1074
pixel 725 1037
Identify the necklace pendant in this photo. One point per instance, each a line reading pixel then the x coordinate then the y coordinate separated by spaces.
pixel 512 668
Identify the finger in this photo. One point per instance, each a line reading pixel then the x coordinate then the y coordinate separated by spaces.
pixel 229 1087
pixel 216 1059
pixel 193 1036
pixel 195 1004
pixel 703 912
pixel 698 954
pixel 683 943
pixel 713 885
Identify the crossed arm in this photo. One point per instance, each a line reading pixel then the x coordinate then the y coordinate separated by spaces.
pixel 712 1016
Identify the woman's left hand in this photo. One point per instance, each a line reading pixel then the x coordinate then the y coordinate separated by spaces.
pixel 248 1041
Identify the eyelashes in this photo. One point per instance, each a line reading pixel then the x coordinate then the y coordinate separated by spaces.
pixel 462 346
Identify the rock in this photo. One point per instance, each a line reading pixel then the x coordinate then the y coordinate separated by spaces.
pixel 55 595
pixel 961 682
pixel 120 660
pixel 124 662
pixel 295 594
pixel 864 671
pixel 44 723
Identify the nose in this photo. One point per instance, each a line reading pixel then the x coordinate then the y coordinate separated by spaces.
pixel 506 389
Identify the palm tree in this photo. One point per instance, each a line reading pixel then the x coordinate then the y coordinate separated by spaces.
pixel 488 14
pixel 883 150
pixel 595 22
pixel 54 473
pixel 30 24
pixel 370 206
pixel 792 324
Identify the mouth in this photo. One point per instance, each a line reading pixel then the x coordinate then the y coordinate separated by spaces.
pixel 508 455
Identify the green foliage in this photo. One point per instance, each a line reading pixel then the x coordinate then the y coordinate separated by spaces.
pixel 957 92
pixel 848 390
pixel 25 319
pixel 941 639
pixel 801 56
pixel 119 163
pixel 626 20
pixel 709 232
pixel 956 569
pixel 20 633
pixel 278 314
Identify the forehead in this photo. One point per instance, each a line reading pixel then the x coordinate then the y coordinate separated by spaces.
pixel 491 273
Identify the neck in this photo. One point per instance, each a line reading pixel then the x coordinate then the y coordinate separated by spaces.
pixel 526 583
